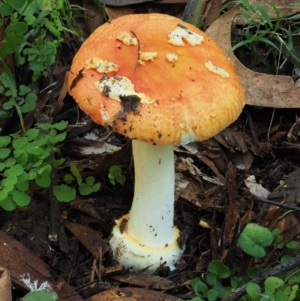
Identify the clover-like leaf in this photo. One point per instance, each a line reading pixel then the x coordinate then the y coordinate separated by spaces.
pixel 64 193
pixel 254 291
pixel 20 198
pixel 32 134
pixel 4 141
pixel 85 189
pixel 19 142
pixel 218 268
pixel 8 204
pixel 254 239
pixel 4 153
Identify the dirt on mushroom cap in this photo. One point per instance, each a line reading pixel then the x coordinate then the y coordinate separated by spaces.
pixel 191 102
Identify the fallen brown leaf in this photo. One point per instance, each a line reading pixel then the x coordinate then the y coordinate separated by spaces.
pixel 153 282
pixel 261 89
pixel 283 8
pixel 91 239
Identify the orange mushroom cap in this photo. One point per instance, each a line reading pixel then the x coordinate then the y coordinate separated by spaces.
pixel 191 91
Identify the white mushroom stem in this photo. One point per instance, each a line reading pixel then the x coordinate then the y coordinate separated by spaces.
pixel 152 211
pixel 149 239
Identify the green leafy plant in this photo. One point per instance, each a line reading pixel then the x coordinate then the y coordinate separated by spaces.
pixel 30 23
pixel 25 158
pixel 270 41
pixel 254 239
pixel 220 280
pixel 115 175
pixel 65 193
pixel 34 29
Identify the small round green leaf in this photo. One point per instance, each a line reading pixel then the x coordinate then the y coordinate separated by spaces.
pixel 4 153
pixel 294 278
pixel 21 156
pixel 18 27
pixel 9 181
pixel 15 170
pixel 34 150
pixel 23 90
pixel 4 141
pixel 96 187
pixel 32 174
pixel 211 279
pixel 254 291
pixel 212 295
pixel 272 284
pixel 114 171
pixel 254 239
pixel 64 193
pixel 23 183
pixel 2 166
pixel 74 170
pixel 90 180
pixel 3 195
pixel 5 9
pixel 58 162
pixel 30 19
pixel 217 267
pixel 19 143
pixel 10 162
pixel 60 125
pixel 8 204
pixel 20 198
pixel 32 134
pixel 58 138
pixel 30 103
pixel 293 246
pixel 68 178
pixel 85 189
pixel 199 287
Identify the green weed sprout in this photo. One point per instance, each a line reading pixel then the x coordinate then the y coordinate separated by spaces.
pixel 25 158
pixel 31 22
pixel 115 175
pixel 65 193
pixel 274 289
pixel 253 240
pixel 34 29
pixel 275 35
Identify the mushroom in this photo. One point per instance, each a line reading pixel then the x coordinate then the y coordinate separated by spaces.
pixel 161 82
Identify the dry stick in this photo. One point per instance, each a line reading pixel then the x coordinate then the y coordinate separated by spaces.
pixel 283 206
pixel 193 11
pixel 139 49
pixel 278 270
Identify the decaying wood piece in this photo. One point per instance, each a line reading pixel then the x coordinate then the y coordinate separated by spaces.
pixel 5 285
pixel 232 217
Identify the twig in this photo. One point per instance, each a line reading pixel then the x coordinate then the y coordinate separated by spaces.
pixel 193 11
pixel 278 270
pixel 284 206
